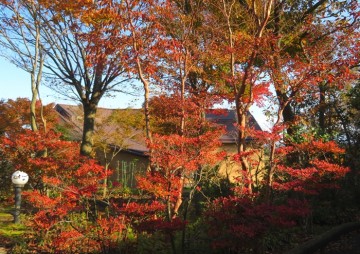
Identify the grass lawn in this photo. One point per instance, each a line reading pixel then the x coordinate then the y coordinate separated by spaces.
pixel 10 234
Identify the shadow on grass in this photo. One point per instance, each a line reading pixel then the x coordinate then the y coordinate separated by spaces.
pixel 11 234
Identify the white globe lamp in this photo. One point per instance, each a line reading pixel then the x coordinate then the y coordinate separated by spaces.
pixel 19 179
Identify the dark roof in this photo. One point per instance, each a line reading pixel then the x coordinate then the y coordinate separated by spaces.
pixel 227 118
pixel 72 117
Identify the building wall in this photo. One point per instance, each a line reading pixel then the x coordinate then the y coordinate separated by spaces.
pixel 231 169
pixel 125 167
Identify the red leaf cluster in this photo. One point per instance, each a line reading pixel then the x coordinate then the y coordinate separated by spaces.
pixel 238 223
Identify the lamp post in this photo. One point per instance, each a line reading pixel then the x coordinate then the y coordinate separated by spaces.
pixel 19 179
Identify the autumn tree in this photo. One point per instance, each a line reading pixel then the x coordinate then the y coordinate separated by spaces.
pixel 65 187
pixel 237 54
pixel 292 47
pixel 174 54
pixel 299 26
pixel 179 161
pixel 20 37
pixel 16 116
pixel 325 54
pixel 182 155
pixel 166 49
pixel 16 122
pixel 89 56
pixel 317 61
pixel 146 43
pixel 81 60
pixel 295 194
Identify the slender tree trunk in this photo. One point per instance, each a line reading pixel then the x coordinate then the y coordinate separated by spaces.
pixel 43 120
pixel 169 218
pixel 147 110
pixel 183 77
pixel 33 123
pixel 272 162
pixel 261 19
pixel 287 110
pixel 289 117
pixel 178 198
pixel 242 122
pixel 144 81
pixel 36 75
pixel 105 188
pixel 241 109
pixel 322 108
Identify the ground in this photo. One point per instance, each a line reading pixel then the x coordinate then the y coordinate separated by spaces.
pixel 349 244
pixel 10 233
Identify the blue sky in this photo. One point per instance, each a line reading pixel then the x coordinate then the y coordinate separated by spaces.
pixel 14 83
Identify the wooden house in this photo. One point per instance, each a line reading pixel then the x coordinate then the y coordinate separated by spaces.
pixel 131 157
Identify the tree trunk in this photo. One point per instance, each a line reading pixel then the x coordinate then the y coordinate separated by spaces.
pixel 322 105
pixel 87 142
pixel 241 115
pixel 105 184
pixel 288 116
pixel 287 111
pixel 147 110
pixel 33 124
